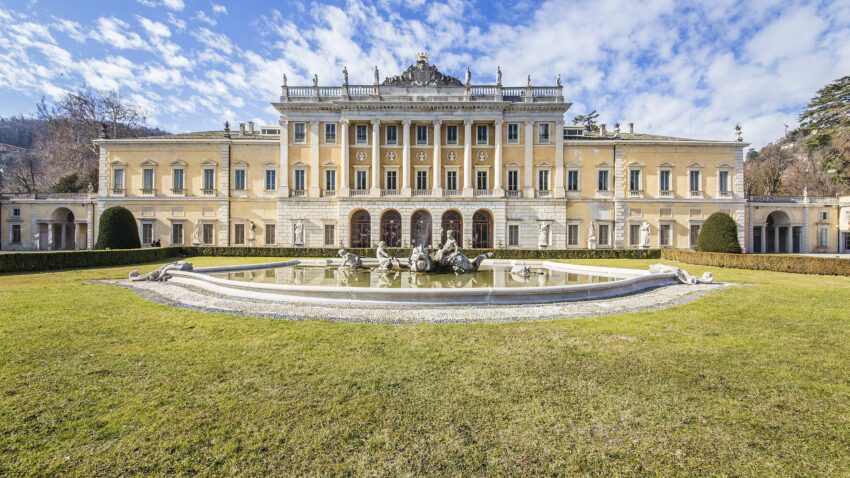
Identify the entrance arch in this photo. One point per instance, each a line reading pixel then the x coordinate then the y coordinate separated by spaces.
pixel 62 230
pixel 391 228
pixel 452 221
pixel 777 232
pixel 482 229
pixel 420 228
pixel 361 229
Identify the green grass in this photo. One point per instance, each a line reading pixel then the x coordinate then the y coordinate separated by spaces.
pixel 749 381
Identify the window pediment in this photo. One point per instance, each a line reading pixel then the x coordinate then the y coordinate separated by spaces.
pixel 209 162
pixel 178 162
pixel 665 165
pixel 149 162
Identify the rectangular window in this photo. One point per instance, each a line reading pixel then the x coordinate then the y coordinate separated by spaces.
pixel 330 231
pixel 451 134
pixel 572 180
pixel 361 134
pixel 270 234
pixel 239 179
pixel 300 133
pixel 177 233
pixel 481 180
pixel 421 180
pixel 118 180
pixel 392 134
pixel 271 180
pixel 360 180
pixel 572 234
pixel 208 233
pixel 665 235
pixel 481 134
pixel 694 234
pixel 543 180
pixel 604 235
pixel 392 180
pixel 330 133
pixel 695 182
pixel 723 180
pixel 147 180
pixel 664 180
pixel 330 180
pixel 16 233
pixel 177 181
pixel 239 233
pixel 543 133
pixel 451 180
pixel 602 183
pixel 209 179
pixel 16 212
pixel 513 133
pixel 421 134
pixel 634 180
pixel 513 234
pixel 824 216
pixel 634 234
pixel 823 237
pixel 300 179
pixel 147 233
pixel 513 180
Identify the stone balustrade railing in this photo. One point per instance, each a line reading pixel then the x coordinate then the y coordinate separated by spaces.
pixel 436 93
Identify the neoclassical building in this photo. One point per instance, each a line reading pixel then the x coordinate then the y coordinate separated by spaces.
pixel 408 158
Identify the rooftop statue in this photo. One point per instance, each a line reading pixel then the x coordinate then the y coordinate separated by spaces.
pixel 421 73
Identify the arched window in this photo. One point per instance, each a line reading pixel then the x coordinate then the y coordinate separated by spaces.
pixel 420 228
pixel 452 221
pixel 361 229
pixel 391 228
pixel 482 229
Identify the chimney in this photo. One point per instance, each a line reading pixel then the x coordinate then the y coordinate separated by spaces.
pixel 241 129
pixel 631 128
pixel 603 130
pixel 251 127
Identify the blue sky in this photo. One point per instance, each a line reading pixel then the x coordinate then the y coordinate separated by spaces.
pixel 691 69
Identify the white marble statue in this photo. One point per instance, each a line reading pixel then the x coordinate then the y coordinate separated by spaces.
pixel 315 80
pixel 162 274
pixel 349 260
pixel 377 75
pixel 344 75
pixel 299 233
pixel 251 231
pixel 644 235
pixel 468 77
pixel 682 276
pixel 591 235
pixel 196 235
pixel 385 261
pixel 543 236
pixel 499 75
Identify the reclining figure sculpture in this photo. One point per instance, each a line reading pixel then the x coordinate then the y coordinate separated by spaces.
pixel 447 257
pixel 161 274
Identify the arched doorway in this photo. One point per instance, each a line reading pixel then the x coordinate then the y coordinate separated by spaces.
pixel 391 228
pixel 777 232
pixel 420 228
pixel 482 229
pixel 62 230
pixel 361 229
pixel 452 221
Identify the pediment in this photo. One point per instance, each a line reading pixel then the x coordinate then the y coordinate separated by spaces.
pixel 149 162
pixel 178 162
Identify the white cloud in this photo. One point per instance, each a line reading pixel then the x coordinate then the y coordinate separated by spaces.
pixel 216 41
pixel 203 17
pixel 176 5
pixel 154 29
pixel 117 33
pixel 71 28
pixel 219 9
pixel 176 22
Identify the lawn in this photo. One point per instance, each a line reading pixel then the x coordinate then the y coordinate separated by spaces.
pixel 748 381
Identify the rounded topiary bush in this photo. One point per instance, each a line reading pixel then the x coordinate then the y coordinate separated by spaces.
pixel 719 233
pixel 118 230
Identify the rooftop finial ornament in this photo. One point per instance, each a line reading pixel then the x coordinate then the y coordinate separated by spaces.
pixel 103 131
pixel 377 75
pixel 468 76
pixel 284 80
pixel 739 134
pixel 422 57
pixel 315 80
pixel 499 75
pixel 345 75
pixel 227 129
pixel 558 80
pixel 529 80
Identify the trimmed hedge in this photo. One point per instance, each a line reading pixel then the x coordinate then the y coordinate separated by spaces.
pixel 118 230
pixel 719 233
pixel 763 262
pixel 55 260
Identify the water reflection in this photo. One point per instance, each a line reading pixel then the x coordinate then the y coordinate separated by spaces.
pixel 333 276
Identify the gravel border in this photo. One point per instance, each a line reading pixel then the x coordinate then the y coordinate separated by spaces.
pixel 196 299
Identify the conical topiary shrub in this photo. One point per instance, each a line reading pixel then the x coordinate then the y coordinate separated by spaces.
pixel 719 233
pixel 118 230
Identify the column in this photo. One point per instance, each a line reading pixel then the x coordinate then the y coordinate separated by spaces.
pixel 315 190
pixel 63 237
pixel 467 159
pixel 344 185
pixel 376 158
pixel 498 190
pixel 284 158
pixel 405 159
pixel 437 174
pixel 528 165
pixel 76 236
pixel 50 232
pixel 560 191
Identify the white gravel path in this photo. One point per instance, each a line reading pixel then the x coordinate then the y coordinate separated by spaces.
pixel 182 296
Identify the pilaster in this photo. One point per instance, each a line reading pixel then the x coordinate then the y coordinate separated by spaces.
pixel 467 158
pixel 405 159
pixel 315 190
pixel 560 191
pixel 498 188
pixel 344 185
pixel 437 173
pixel 284 159
pixel 376 158
pixel 224 205
pixel 619 198
pixel 528 164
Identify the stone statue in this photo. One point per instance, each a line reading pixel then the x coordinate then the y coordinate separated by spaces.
pixel 161 274
pixel 299 233
pixel 90 188
pixel 385 261
pixel 196 235
pixel 591 235
pixel 682 276
pixel 450 256
pixel 420 259
pixel 450 247
pixel 377 75
pixel 349 260
pixel 344 75
pixel 543 236
pixel 284 79
pixel 315 80
pixel 468 77
pixel 805 193
pixel 499 75
pixel 558 80
pixel 529 80
pixel 644 235
pixel 251 229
